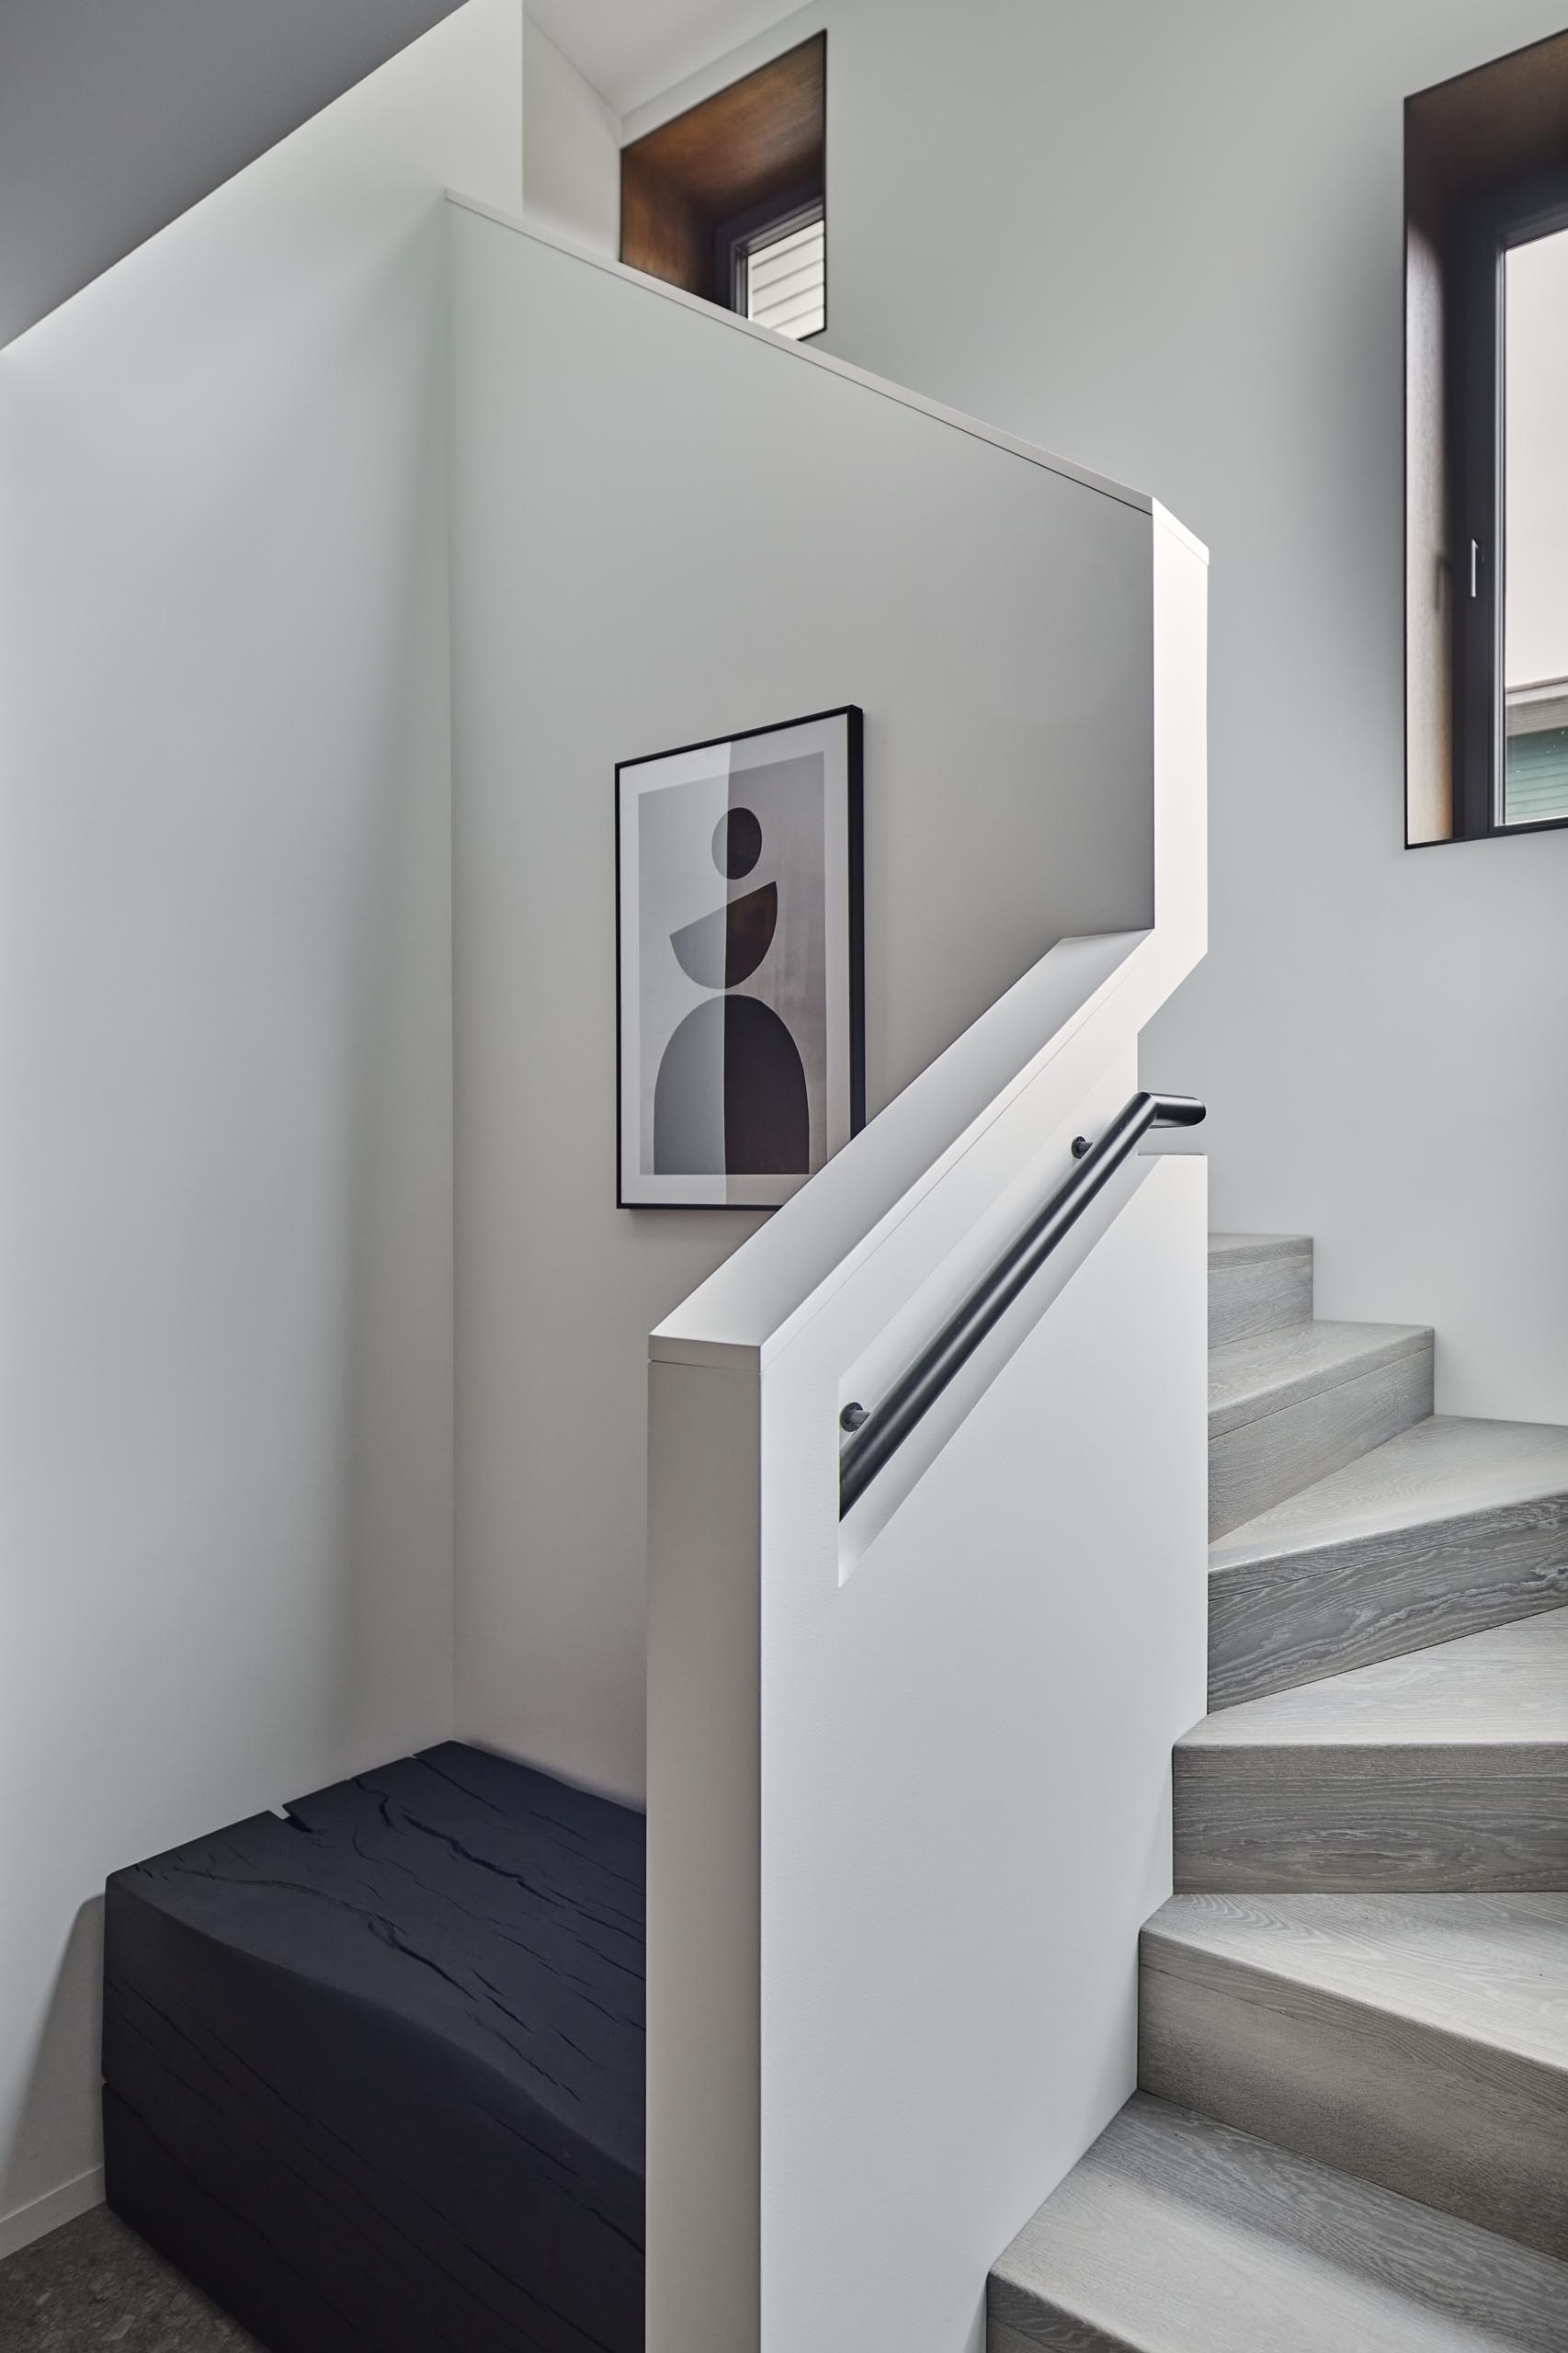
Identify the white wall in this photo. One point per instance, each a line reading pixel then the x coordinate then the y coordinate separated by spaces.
pixel 667 525
pixel 632 50
pixel 226 1079
pixel 571 150
pixel 1167 241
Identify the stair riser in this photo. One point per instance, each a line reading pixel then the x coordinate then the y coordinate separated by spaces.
pixel 1465 2127
pixel 1178 2234
pixel 1258 1295
pixel 1258 1464
pixel 1278 1623
pixel 1344 1818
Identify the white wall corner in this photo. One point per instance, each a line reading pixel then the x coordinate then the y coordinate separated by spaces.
pixel 52 2211
pixel 571 148
pixel 693 77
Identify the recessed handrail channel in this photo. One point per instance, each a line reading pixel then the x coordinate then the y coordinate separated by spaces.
pixel 877 1433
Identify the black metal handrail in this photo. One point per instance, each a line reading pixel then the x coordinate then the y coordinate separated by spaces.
pixel 877 1433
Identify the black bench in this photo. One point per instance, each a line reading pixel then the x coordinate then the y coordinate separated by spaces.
pixel 373 2071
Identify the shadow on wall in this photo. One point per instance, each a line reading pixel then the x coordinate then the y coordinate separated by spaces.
pixel 55 2115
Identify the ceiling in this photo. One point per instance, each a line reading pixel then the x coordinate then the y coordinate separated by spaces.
pixel 632 50
pixel 116 115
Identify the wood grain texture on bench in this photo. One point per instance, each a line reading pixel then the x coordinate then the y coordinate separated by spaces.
pixel 374 2070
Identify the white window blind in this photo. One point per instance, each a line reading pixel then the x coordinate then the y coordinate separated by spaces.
pixel 786 279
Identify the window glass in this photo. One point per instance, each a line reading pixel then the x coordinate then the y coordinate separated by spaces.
pixel 786 279
pixel 1535 625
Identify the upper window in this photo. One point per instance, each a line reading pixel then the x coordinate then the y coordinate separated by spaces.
pixel 1486 590
pixel 729 199
pixel 781 274
pixel 1534 295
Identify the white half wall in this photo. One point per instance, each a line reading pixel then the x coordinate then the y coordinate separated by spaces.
pixel 225 1048
pixel 910 1804
pixel 965 1786
pixel 1168 240
pixel 667 525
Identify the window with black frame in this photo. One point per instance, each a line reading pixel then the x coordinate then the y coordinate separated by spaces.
pixel 779 271
pixel 1513 322
pixel 1487 379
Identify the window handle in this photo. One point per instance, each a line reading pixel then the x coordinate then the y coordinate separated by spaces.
pixel 1476 568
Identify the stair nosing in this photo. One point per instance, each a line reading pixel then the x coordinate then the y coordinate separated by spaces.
pixel 1519 1505
pixel 1510 2045
pixel 1538 1632
pixel 1257 1249
pixel 1513 1507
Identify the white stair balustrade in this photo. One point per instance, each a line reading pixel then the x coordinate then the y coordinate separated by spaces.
pixel 909 1768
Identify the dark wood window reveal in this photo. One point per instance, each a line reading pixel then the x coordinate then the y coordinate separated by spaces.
pixel 729 198
pixel 1486 450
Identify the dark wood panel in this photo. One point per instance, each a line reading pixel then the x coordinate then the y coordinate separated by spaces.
pixel 662 231
pixel 1467 141
pixel 1500 122
pixel 757 143
pixel 763 134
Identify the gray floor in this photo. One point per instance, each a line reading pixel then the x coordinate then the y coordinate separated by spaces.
pixel 94 2282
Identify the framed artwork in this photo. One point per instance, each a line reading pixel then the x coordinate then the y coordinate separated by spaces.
pixel 741 967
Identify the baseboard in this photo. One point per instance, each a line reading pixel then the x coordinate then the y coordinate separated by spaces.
pixel 48 2212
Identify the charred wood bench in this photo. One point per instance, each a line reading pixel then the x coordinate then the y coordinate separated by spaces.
pixel 373 2069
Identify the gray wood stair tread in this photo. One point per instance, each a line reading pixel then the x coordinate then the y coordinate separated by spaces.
pixel 1250 1378
pixel 1507 1685
pixel 1417 2041
pixel 1441 1469
pixel 1175 2235
pixel 1240 1249
pixel 1491 1969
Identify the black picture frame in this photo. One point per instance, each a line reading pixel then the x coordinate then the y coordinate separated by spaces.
pixel 810 1032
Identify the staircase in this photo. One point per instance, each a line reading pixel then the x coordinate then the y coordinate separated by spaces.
pixel 1351 2129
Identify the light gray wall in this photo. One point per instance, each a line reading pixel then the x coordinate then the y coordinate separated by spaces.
pixel 225 1036
pixel 116 115
pixel 571 150
pixel 665 525
pixel 1167 241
